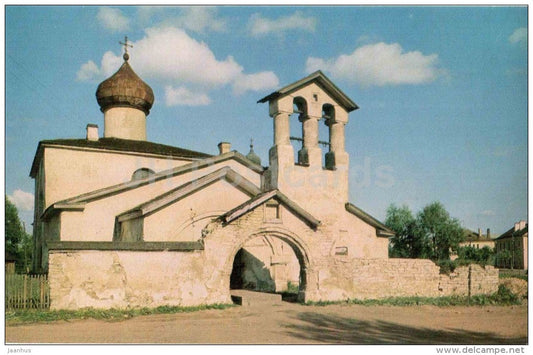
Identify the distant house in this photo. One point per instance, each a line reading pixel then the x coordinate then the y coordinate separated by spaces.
pixel 478 240
pixel 10 264
pixel 511 247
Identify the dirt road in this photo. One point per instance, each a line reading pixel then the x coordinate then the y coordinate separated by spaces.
pixel 289 323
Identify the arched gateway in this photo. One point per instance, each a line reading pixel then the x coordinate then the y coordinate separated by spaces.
pixel 270 260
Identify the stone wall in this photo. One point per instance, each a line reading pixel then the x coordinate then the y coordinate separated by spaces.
pixel 483 280
pixel 381 278
pixel 120 279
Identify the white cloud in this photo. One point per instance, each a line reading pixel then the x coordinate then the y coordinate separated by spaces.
pixel 380 64
pixel 110 64
pixel 183 96
pixel 519 35
pixel 171 54
pixel 297 21
pixel 170 57
pixel 192 18
pixel 88 71
pixel 91 72
pixel 22 200
pixel 113 19
pixel 145 13
pixel 200 18
pixel 255 82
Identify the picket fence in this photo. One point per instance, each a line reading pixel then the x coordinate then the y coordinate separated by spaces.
pixel 27 291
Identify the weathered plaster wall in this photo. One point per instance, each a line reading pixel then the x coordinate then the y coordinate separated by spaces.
pixel 315 189
pixel 98 219
pixel 188 209
pixel 106 279
pixel 125 123
pixel 70 172
pixel 120 279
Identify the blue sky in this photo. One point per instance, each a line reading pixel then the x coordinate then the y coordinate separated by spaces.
pixel 442 91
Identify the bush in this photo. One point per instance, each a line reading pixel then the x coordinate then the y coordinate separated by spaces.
pixel 504 295
pixel 470 255
pixel 446 266
pixel 292 288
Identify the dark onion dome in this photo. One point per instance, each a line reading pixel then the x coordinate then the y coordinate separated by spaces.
pixel 125 89
pixel 252 156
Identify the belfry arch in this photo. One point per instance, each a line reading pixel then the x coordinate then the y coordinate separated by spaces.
pixel 297 130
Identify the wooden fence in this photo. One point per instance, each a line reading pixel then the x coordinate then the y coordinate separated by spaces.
pixel 27 292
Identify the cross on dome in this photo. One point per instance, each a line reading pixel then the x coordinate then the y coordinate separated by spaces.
pixel 126 56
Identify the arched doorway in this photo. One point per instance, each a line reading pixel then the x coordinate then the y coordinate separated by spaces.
pixel 270 262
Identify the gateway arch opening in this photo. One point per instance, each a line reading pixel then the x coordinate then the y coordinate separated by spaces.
pixel 268 264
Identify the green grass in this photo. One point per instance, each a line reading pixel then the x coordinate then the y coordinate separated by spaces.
pixel 507 276
pixel 503 297
pixel 517 273
pixel 113 314
pixel 292 288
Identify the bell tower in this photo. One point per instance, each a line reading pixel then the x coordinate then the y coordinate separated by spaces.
pixel 312 172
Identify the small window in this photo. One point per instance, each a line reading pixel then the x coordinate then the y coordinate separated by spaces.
pixel 142 173
pixel 341 250
pixel 272 212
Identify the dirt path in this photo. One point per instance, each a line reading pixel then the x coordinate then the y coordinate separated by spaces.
pixel 293 323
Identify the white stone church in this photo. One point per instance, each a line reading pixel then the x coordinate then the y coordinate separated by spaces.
pixel 124 222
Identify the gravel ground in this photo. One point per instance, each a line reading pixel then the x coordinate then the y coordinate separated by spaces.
pixel 289 323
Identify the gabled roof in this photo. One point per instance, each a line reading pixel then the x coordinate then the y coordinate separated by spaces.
pixel 78 202
pixel 264 197
pixel 174 195
pixel 512 233
pixel 116 144
pixel 381 229
pixel 323 81
pixel 471 236
pixel 64 245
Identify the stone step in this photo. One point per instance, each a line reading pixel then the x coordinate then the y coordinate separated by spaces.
pixel 254 298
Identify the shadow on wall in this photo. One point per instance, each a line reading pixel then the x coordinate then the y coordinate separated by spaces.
pixel 341 330
pixel 250 273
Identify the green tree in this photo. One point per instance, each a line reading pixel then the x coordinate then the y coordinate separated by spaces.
pixel 26 250
pixel 504 258
pixel 443 232
pixel 407 242
pixel 18 243
pixel 432 234
pixel 14 231
pixel 484 256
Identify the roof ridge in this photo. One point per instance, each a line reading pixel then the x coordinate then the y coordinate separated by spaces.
pixel 356 211
pixel 162 175
pixel 175 194
pixel 119 145
pixel 327 84
pixel 263 197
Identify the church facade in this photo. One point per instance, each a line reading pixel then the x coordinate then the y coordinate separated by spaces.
pixel 124 222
